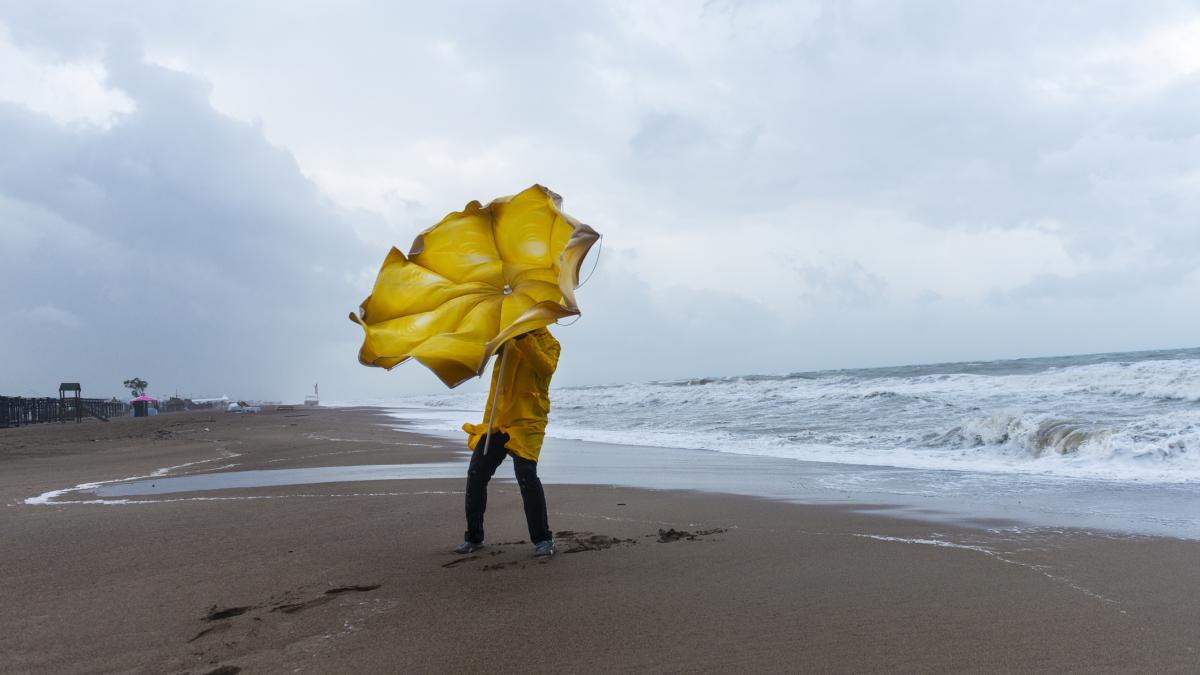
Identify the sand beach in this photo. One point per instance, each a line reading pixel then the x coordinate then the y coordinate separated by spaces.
pixel 845 337
pixel 357 575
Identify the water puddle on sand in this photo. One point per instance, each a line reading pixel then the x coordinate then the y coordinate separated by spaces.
pixel 277 477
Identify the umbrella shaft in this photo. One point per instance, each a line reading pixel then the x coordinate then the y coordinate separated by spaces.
pixel 487 440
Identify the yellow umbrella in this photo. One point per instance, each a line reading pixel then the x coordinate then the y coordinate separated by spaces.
pixel 476 279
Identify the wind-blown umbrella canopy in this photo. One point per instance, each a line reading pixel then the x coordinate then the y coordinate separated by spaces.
pixel 479 277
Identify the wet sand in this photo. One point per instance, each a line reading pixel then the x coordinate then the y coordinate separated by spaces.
pixel 357 576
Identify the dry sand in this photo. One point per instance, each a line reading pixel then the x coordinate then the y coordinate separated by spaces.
pixel 358 577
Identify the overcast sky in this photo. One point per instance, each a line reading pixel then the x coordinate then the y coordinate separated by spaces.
pixel 198 193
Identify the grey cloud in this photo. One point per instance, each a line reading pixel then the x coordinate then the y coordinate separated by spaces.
pixel 179 237
pixel 845 284
pixel 192 250
pixel 1173 115
pixel 668 136
pixel 632 332
pixel 1103 284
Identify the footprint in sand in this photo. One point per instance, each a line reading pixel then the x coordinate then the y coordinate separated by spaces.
pixel 571 541
pixel 220 614
pixel 219 628
pixel 293 607
pixel 578 542
pixel 352 589
pixel 215 614
pixel 223 622
pixel 670 535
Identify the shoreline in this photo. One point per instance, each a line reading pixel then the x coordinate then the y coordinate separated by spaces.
pixel 967 498
pixel 991 501
pixel 345 576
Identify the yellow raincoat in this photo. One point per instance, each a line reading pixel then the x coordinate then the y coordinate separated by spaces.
pixel 524 402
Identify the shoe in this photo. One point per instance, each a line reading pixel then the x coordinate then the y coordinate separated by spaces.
pixel 468 547
pixel 544 549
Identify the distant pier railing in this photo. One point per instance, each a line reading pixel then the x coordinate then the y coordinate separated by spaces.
pixel 17 411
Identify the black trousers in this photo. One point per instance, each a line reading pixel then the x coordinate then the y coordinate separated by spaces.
pixel 482 469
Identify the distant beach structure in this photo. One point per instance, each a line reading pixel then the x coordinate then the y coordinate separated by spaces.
pixel 314 398
pixel 144 406
pixel 68 406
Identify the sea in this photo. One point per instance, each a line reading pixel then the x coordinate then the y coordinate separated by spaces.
pixel 1125 417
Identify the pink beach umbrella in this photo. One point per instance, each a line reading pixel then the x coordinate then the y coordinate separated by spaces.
pixel 144 397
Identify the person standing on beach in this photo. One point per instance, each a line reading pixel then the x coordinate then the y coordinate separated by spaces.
pixel 522 402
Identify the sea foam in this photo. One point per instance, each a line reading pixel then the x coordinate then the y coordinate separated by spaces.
pixel 1128 417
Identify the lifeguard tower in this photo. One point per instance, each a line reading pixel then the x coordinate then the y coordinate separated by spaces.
pixel 70 402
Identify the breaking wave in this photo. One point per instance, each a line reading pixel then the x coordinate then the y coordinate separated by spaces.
pixel 1161 447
